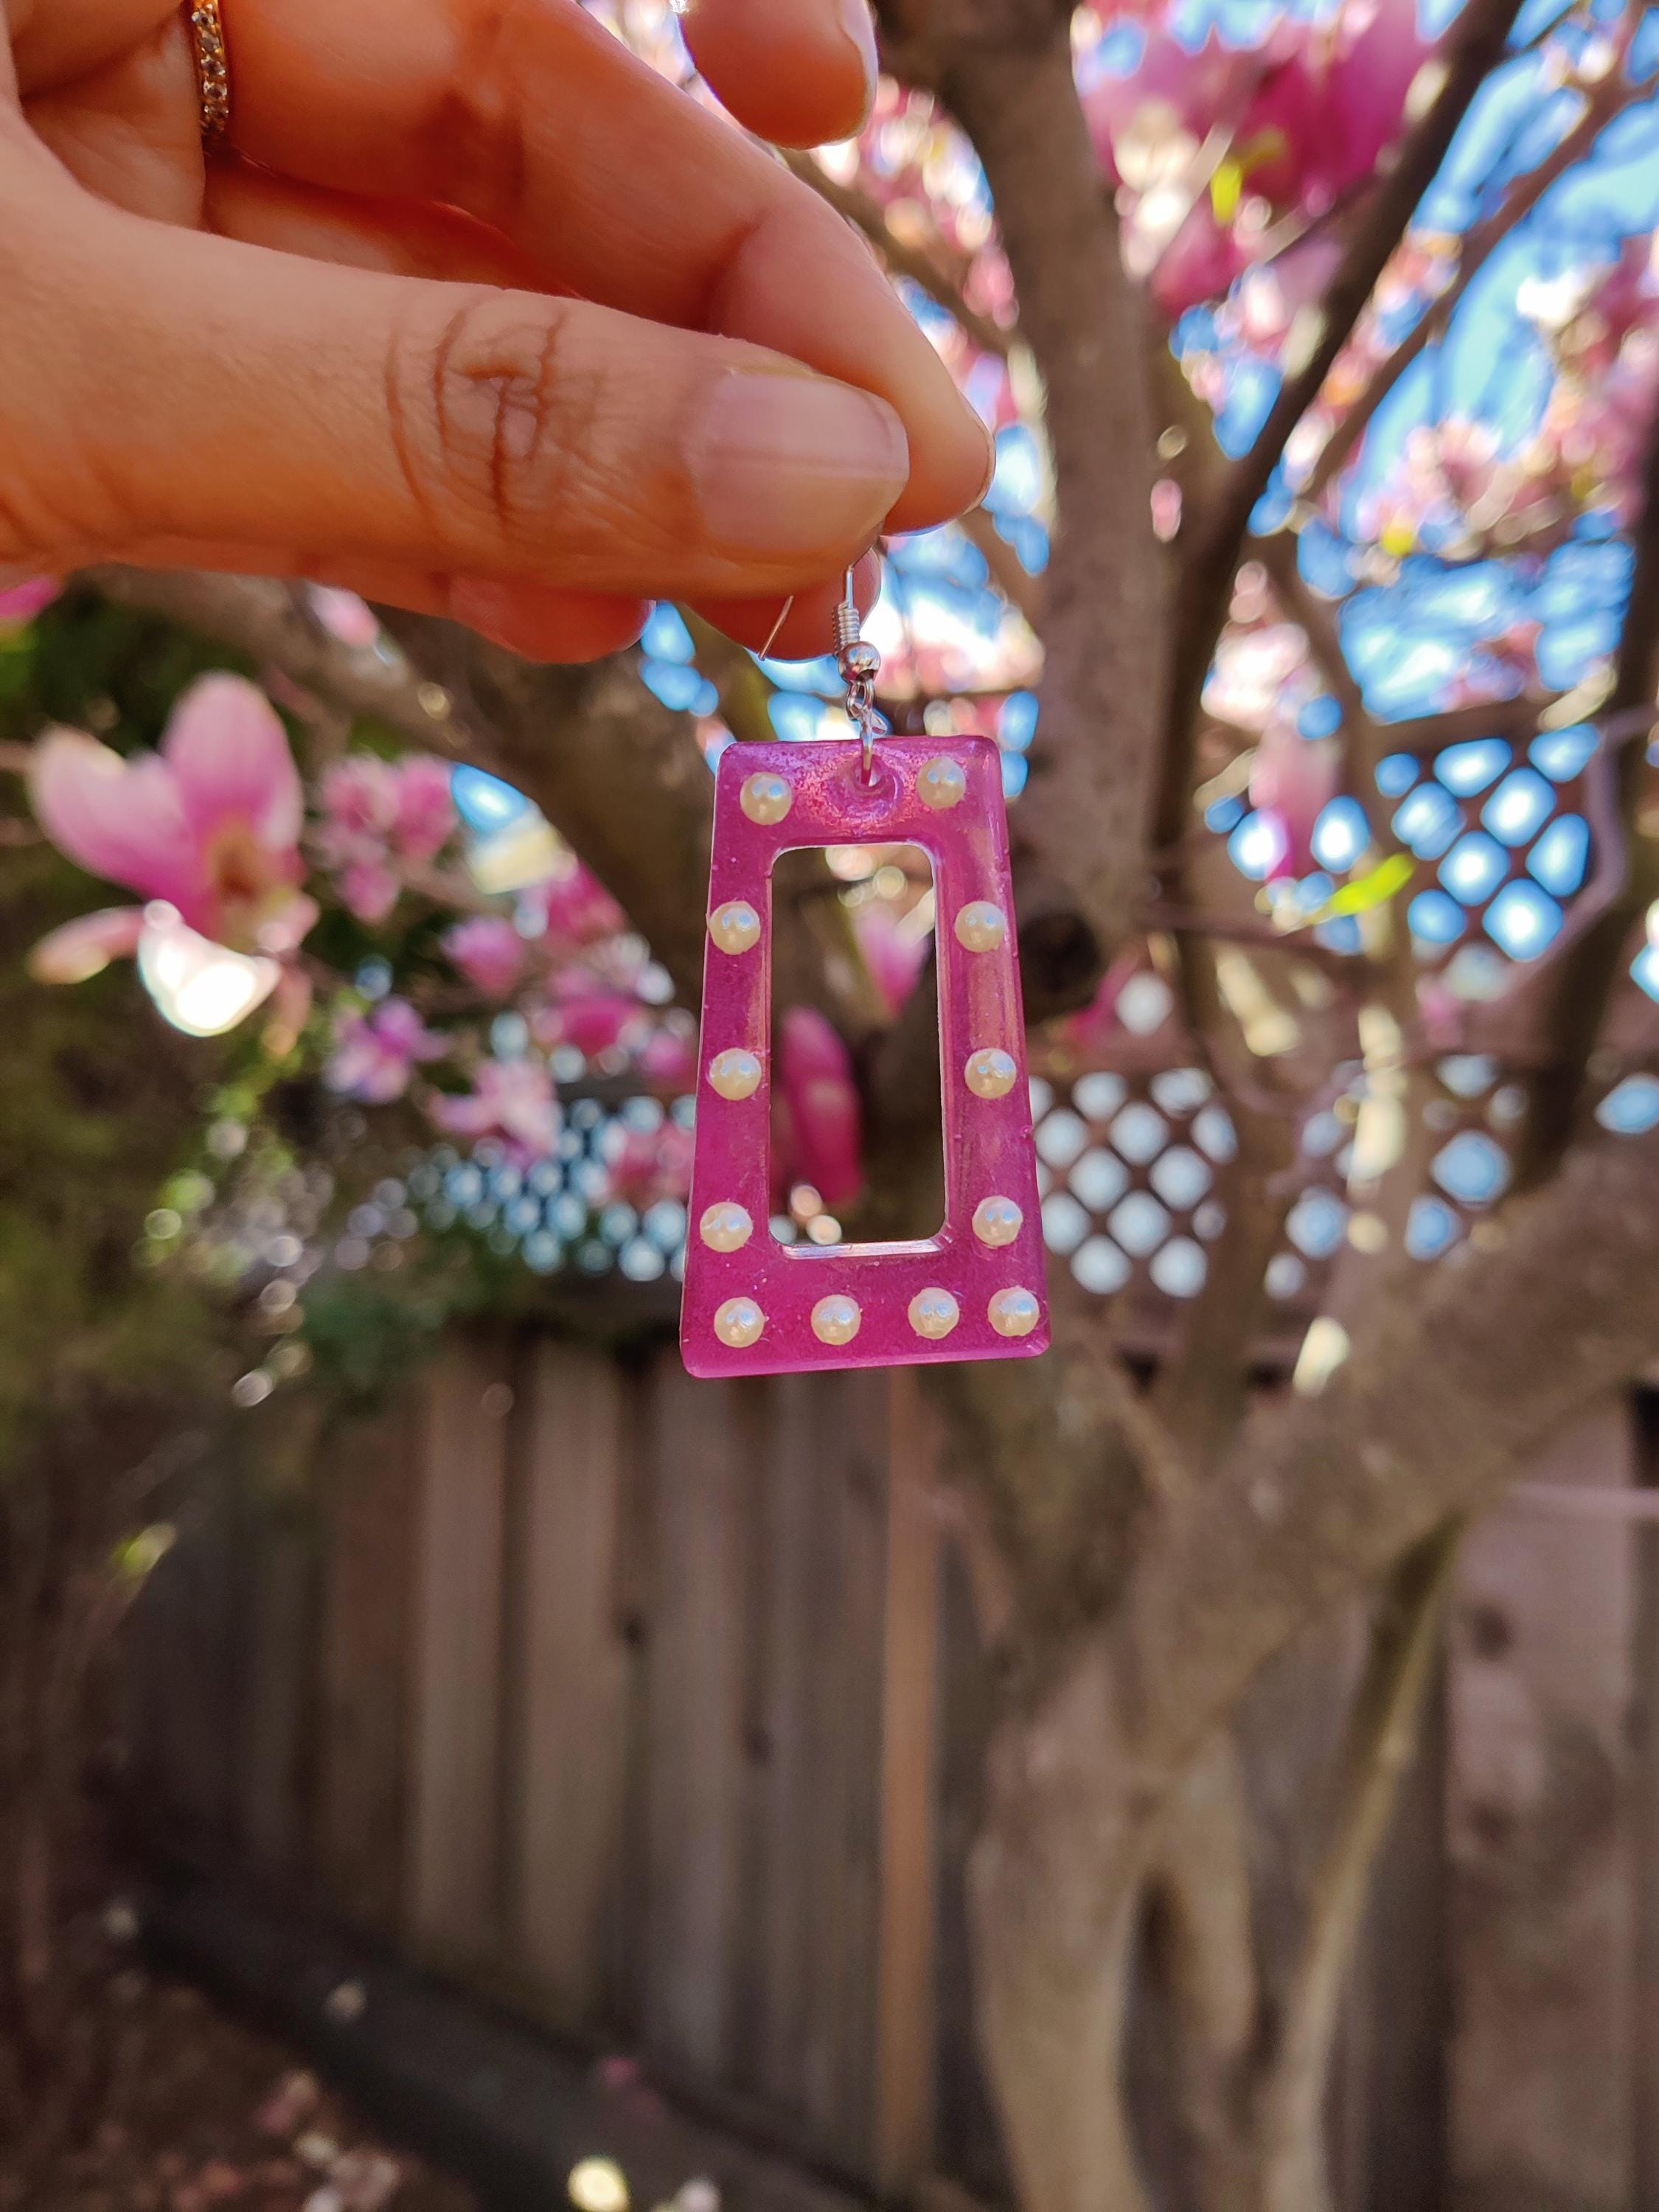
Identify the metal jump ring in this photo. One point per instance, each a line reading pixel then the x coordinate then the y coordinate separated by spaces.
pixel 859 664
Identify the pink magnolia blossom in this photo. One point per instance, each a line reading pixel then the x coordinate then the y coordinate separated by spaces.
pixel 210 825
pixel 1173 94
pixel 668 1056
pixel 574 909
pixel 21 602
pixel 1094 1027
pixel 376 1053
pixel 380 815
pixel 1273 294
pixel 343 616
pixel 84 948
pixel 1204 142
pixel 1292 780
pixel 893 955
pixel 488 952
pixel 651 1165
pixel 513 1100
pixel 1324 115
pixel 1199 264
pixel 588 1014
pixel 822 1132
pixel 1253 669
pixel 424 817
pixel 368 889
pixel 290 1010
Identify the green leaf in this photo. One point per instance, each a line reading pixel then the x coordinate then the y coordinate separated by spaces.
pixel 1383 882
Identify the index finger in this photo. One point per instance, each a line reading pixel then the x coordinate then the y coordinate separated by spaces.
pixel 796 71
pixel 617 186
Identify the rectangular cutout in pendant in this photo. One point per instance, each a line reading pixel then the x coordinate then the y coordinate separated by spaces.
pixel 883 897
pixel 976 1290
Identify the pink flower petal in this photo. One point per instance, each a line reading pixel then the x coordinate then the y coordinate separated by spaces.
pixel 343 615
pixel 590 1017
pixel 227 745
pixel 21 602
pixel 893 956
pixel 666 1056
pixel 85 947
pixel 119 818
pixel 1293 779
pixel 287 925
pixel 488 952
pixel 826 1121
pixel 426 816
pixel 369 890
pixel 290 1010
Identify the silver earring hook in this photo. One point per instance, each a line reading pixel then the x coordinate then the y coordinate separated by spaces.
pixel 765 653
pixel 859 664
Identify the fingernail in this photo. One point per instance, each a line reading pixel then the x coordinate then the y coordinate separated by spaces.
pixel 785 465
pixel 991 459
pixel 855 21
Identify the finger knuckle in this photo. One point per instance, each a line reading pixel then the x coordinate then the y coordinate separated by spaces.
pixel 63 493
pixel 492 422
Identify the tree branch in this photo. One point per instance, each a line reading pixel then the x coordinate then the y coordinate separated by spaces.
pixel 1479 246
pixel 1460 1371
pixel 270 622
pixel 1382 1744
pixel 1202 1388
pixel 1005 73
pixel 1214 548
pixel 1023 592
pixel 614 770
pixel 1200 1876
pixel 904 259
pixel 1585 981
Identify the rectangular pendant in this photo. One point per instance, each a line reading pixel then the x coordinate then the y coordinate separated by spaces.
pixel 976 1291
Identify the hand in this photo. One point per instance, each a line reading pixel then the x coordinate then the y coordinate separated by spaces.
pixel 470 311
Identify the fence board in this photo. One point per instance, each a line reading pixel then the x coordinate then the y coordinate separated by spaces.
pixel 276 1732
pixel 694 1688
pixel 369 1504
pixel 845 1692
pixel 1392 2138
pixel 1644 1739
pixel 186 1657
pixel 573 1669
pixel 1542 1916
pixel 453 1839
pixel 906 1944
pixel 780 1809
pixel 669 1684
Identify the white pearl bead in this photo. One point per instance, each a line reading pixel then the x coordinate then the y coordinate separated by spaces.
pixel 990 1073
pixel 942 783
pixel 934 1312
pixel 725 1227
pixel 765 797
pixel 997 1221
pixel 1014 1313
pixel 738 1323
pixel 981 926
pixel 835 1319
pixel 735 1074
pixel 735 926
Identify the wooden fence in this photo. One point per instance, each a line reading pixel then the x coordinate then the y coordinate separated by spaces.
pixel 652 1707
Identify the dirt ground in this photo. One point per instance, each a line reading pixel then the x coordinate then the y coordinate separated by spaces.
pixel 193 2112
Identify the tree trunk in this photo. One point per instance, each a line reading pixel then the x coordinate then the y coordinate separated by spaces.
pixel 1086 1839
pixel 1055 1883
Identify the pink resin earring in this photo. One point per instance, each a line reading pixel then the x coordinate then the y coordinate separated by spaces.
pixel 976 1291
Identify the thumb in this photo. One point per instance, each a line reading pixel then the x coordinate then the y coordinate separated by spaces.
pixel 168 385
